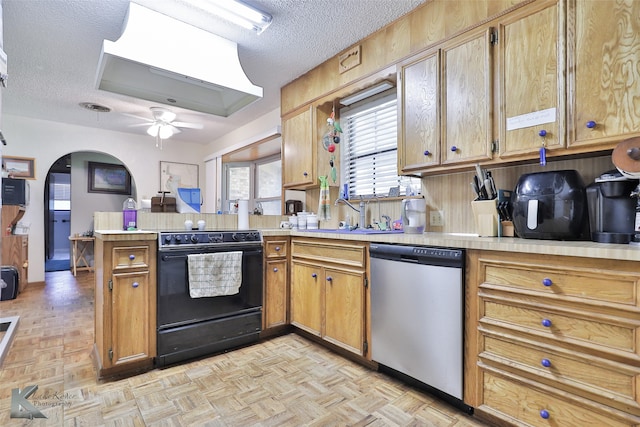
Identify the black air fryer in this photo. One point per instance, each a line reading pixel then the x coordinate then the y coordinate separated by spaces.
pixel 550 205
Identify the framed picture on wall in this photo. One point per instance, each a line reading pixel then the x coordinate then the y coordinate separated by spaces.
pixel 178 175
pixel 109 178
pixel 19 167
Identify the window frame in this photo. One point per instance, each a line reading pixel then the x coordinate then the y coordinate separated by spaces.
pixel 253 182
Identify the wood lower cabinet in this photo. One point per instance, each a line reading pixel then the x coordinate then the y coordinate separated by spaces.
pixel 125 302
pixel 329 291
pixel 276 283
pixel 556 340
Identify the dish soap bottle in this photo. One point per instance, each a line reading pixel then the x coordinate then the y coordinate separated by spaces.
pixel 129 214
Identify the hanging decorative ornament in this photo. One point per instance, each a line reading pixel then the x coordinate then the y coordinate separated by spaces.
pixel 334 173
pixel 331 148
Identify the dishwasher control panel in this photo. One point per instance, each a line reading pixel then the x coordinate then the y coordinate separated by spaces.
pixel 430 255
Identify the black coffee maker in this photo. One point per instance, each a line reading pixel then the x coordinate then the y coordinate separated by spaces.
pixel 611 208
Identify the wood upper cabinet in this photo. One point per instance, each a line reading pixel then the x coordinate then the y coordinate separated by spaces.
pixel 467 98
pixel 604 71
pixel 328 292
pixel 125 304
pixel 419 112
pixel 298 148
pixel 532 82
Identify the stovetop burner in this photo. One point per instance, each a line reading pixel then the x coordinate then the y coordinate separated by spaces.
pixel 190 239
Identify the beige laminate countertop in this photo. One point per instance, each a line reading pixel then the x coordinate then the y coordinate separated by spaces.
pixel 586 249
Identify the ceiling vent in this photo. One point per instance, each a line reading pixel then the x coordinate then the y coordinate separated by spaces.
pixel 164 60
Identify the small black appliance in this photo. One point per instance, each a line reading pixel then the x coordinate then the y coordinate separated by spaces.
pixel 611 208
pixel 550 205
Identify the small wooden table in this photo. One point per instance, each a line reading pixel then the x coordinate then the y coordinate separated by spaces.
pixel 80 246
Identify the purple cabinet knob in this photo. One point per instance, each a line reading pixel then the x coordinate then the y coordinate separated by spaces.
pixel 314 275
pixel 305 174
pixel 544 414
pixel 546 323
pixel 454 148
pixel 427 152
pixel 277 248
pixel 547 282
pixel 135 284
pixel 275 269
pixel 542 133
pixel 132 257
pixel 546 363
pixel 591 124
pixel 329 278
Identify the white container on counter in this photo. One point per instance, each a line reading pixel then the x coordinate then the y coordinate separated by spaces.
pixel 312 221
pixel 302 220
pixel 293 220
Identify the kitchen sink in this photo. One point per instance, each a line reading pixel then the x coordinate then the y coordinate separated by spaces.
pixel 355 231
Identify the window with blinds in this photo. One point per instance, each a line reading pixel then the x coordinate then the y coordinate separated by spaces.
pixel 369 154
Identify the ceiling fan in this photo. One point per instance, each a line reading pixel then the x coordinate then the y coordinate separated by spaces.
pixel 162 125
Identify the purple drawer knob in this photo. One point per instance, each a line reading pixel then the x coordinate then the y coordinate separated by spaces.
pixel 544 414
pixel 305 174
pixel 547 282
pixel 454 148
pixel 427 152
pixel 314 275
pixel 546 323
pixel 546 363
pixel 277 248
pixel 275 269
pixel 135 284
pixel 329 278
pixel 591 124
pixel 132 257
pixel 542 133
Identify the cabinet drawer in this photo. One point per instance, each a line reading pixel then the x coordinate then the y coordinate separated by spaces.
pixel 608 382
pixel 526 404
pixel 594 284
pixel 275 248
pixel 339 253
pixel 563 326
pixel 130 257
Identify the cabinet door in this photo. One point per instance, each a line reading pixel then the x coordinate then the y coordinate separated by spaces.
pixel 605 71
pixel 344 309
pixel 418 113
pixel 532 83
pixel 275 301
pixel 298 149
pixel 130 313
pixel 306 297
pixel 467 98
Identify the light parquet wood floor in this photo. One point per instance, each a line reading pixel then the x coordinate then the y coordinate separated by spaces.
pixel 285 381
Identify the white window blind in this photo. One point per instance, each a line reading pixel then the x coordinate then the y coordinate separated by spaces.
pixel 370 150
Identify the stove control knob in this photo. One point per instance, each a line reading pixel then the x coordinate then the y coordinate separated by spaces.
pixel 167 239
pixel 194 238
pixel 215 238
pixel 237 237
pixel 178 238
pixel 252 236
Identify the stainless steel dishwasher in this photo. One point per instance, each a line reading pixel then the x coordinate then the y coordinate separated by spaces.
pixel 417 315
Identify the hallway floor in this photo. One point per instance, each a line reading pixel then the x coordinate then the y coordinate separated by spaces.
pixel 285 381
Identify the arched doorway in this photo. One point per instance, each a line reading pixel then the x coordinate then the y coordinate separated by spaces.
pixel 69 204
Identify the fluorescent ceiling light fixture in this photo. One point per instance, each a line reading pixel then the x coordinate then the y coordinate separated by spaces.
pixel 237 12
pixel 367 93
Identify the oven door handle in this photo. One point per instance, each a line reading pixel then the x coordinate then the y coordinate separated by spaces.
pixel 167 257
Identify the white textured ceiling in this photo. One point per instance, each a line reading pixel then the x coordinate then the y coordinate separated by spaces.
pixel 53 47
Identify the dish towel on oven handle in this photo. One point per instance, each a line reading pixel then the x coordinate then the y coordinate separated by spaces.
pixel 213 275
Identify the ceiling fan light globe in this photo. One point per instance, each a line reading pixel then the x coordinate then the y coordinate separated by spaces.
pixel 165 131
pixel 153 130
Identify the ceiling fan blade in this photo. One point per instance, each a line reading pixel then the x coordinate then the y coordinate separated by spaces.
pixel 146 119
pixel 187 125
pixel 140 125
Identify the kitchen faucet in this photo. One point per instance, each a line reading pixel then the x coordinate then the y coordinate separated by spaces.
pixel 361 211
pixel 378 218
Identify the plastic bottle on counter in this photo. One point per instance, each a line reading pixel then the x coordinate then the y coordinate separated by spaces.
pixel 129 215
pixel 302 220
